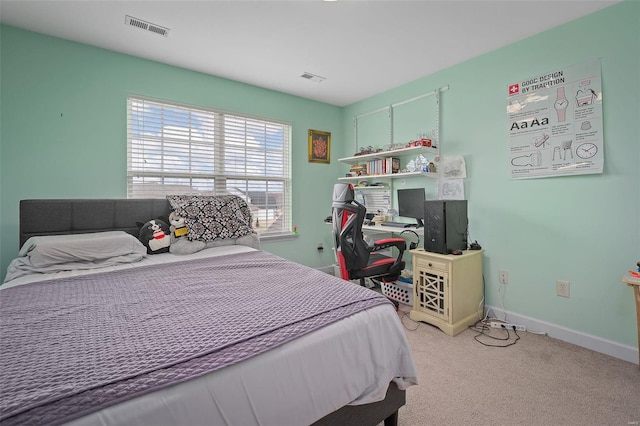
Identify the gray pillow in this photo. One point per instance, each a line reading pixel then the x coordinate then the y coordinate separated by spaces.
pixel 51 250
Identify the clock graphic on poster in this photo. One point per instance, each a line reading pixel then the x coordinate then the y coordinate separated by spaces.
pixel 586 150
pixel 561 105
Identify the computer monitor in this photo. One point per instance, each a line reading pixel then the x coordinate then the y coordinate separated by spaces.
pixel 411 204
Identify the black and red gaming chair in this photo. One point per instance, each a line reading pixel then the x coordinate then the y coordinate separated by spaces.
pixel 356 258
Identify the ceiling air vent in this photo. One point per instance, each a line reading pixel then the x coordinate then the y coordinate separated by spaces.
pixel 313 77
pixel 146 26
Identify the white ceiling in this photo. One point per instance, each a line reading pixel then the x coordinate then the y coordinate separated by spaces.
pixel 361 47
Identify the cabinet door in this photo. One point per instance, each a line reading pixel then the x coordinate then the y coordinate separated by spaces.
pixel 431 289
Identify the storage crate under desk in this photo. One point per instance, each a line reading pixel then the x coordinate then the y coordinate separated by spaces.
pixel 398 291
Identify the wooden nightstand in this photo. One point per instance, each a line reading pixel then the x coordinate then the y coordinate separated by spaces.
pixel 447 289
pixel 634 282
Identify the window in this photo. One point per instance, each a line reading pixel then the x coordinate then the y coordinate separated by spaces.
pixel 179 149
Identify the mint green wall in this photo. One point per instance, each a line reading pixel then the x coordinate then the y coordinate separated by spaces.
pixel 584 229
pixel 63 130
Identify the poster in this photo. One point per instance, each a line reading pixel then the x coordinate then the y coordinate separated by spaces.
pixel 555 123
pixel 451 189
pixel 452 172
pixel 453 167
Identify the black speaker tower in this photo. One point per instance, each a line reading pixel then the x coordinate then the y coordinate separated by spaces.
pixel 445 225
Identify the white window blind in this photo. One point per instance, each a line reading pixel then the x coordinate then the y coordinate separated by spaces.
pixel 180 149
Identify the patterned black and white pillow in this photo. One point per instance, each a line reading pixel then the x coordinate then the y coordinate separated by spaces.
pixel 212 218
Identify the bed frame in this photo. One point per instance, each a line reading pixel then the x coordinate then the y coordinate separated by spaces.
pixel 54 217
pixel 73 216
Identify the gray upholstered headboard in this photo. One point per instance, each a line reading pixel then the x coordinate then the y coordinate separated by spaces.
pixel 75 216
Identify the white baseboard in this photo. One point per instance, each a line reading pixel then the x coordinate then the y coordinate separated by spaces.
pixel 598 344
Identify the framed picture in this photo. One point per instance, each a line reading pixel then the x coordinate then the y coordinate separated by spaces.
pixel 319 146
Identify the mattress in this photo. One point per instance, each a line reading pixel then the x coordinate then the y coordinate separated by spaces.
pixel 348 362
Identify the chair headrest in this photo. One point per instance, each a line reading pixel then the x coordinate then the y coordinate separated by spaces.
pixel 343 193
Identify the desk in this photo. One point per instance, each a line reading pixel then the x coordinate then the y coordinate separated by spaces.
pixel 635 283
pixel 391 229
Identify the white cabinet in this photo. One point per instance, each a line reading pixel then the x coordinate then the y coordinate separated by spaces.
pixel 448 289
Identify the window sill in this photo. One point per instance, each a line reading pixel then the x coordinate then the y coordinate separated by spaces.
pixel 278 237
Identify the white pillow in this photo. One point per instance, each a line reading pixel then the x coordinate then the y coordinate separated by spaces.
pixel 56 249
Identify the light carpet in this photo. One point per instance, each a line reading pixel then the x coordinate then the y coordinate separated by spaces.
pixel 537 381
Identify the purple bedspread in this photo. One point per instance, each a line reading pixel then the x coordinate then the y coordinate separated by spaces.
pixel 72 346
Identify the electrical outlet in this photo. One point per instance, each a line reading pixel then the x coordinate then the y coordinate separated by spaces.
pixel 503 276
pixel 495 324
pixel 562 288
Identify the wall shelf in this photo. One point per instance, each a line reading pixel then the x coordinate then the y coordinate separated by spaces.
pixel 391 153
pixel 422 116
pixel 387 176
pixel 370 187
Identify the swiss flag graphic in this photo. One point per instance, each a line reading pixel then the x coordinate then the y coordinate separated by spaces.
pixel 514 88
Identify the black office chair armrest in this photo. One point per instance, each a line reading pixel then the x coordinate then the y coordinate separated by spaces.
pixel 399 243
pixel 385 243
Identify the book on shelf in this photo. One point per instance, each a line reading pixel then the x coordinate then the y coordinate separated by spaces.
pixel 385 166
pixel 393 165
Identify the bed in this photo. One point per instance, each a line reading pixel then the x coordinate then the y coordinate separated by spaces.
pixel 332 353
